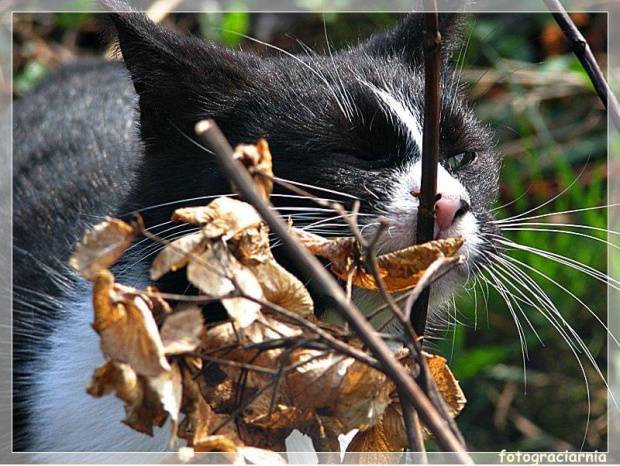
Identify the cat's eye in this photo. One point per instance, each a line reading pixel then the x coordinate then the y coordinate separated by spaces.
pixel 460 160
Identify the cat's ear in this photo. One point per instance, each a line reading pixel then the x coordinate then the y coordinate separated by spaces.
pixel 171 71
pixel 407 40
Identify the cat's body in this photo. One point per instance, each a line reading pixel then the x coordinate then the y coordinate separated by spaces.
pixel 348 122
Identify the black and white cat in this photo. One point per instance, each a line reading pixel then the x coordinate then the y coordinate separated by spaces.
pixel 105 138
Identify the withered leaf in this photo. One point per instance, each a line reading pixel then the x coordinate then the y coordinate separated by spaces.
pixel 102 246
pixel 216 443
pixel 283 288
pixel 355 394
pixel 257 158
pixel 387 435
pixel 127 328
pixel 224 217
pixel 143 407
pixel 177 254
pixel 252 244
pixel 197 423
pixel 447 384
pixel 400 270
pixel 215 272
pixel 168 388
pixel 182 330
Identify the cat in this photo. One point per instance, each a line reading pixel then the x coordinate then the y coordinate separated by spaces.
pixel 99 138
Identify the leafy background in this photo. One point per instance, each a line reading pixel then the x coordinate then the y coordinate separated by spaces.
pixel 550 128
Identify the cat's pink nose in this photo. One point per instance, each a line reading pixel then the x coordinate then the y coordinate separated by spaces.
pixel 448 209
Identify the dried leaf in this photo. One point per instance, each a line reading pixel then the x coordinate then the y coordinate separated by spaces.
pixel 182 331
pixel 257 158
pixel 224 217
pixel 283 288
pixel 127 328
pixel 341 252
pixel 216 443
pixel 101 247
pixel 199 416
pixel 252 244
pixel 271 429
pixel 177 254
pixel 447 384
pixel 400 270
pixel 215 272
pixel 354 394
pixel 143 407
pixel 387 435
pixel 168 388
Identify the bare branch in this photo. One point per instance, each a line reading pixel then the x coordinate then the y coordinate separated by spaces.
pixel 584 54
pixel 430 150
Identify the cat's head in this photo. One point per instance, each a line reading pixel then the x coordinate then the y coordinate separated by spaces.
pixel 348 122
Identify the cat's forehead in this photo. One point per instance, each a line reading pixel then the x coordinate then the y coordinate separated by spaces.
pixel 350 94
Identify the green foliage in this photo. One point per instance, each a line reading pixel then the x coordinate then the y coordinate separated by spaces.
pixel 29 76
pixel 226 29
pixel 77 14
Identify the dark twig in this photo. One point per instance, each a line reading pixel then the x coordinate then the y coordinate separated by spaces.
pixel 584 54
pixel 312 269
pixel 430 150
pixel 414 429
pixel 328 339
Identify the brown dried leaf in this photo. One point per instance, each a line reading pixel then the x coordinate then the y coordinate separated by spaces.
pixel 199 416
pixel 447 384
pixel 341 252
pixel 168 388
pixel 224 217
pixel 252 244
pixel 182 331
pixel 404 268
pixel 216 443
pixel 355 394
pixel 283 288
pixel 143 407
pixel 127 328
pixel 400 270
pixel 257 158
pixel 270 430
pixel 283 418
pixel 215 272
pixel 241 310
pixel 387 435
pixel 177 254
pixel 101 247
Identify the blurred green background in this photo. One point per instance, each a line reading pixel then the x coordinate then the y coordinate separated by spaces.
pixel 550 128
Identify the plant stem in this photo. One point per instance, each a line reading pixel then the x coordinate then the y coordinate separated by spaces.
pixel 430 151
pixel 584 54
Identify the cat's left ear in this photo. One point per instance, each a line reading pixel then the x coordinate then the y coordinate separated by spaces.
pixel 406 42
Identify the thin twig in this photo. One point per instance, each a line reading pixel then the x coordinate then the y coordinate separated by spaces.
pixel 584 54
pixel 430 150
pixel 326 337
pixel 312 269
pixel 414 430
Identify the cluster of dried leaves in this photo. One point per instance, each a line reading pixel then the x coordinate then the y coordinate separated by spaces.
pixel 246 383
